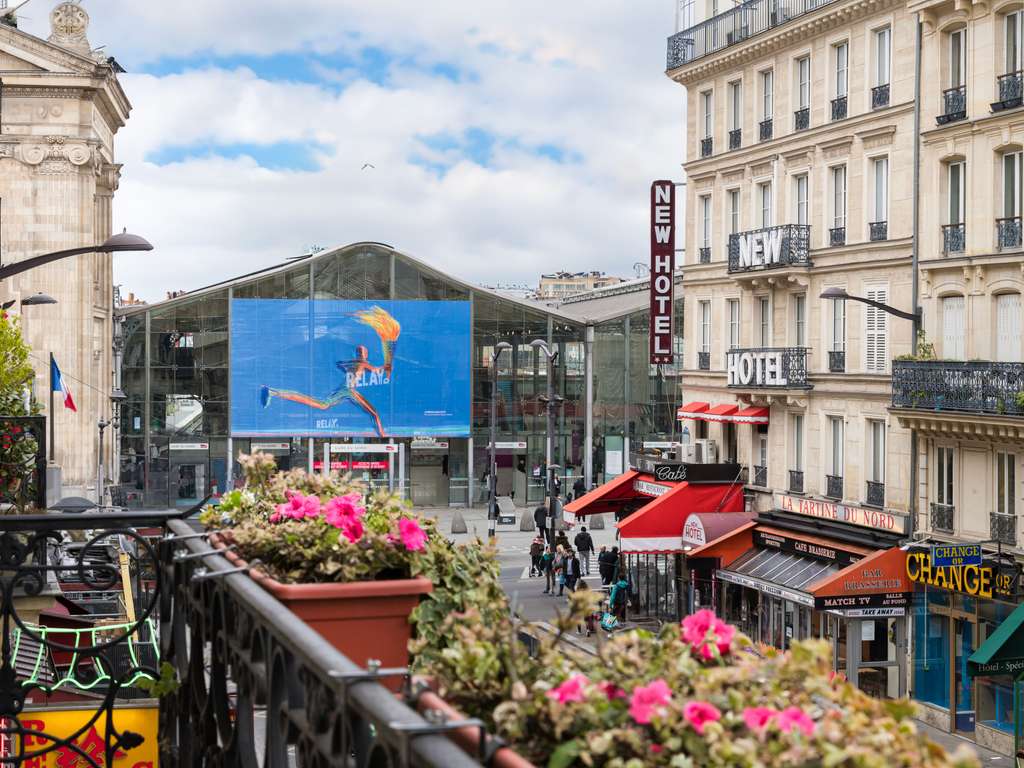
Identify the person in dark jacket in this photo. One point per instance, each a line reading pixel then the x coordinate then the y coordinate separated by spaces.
pixel 579 488
pixel 604 566
pixel 547 566
pixel 584 545
pixel 540 517
pixel 570 572
pixel 536 550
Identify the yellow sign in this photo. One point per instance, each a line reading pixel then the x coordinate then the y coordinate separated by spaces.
pixel 975 580
pixel 64 723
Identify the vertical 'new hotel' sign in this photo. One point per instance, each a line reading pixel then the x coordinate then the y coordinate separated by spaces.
pixel 663 262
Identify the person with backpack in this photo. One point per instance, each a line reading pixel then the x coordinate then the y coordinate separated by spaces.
pixel 536 550
pixel 584 545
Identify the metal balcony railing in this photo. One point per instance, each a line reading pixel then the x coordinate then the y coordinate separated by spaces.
pixel 787 245
pixel 954 105
pixel 704 361
pixel 1011 89
pixel 760 476
pixel 837 236
pixel 802 119
pixel 733 26
pixel 839 108
pixel 875 496
pixel 707 146
pixel 947 385
pixel 880 96
pixel 834 486
pixel 796 481
pixel 765 129
pixel 767 368
pixel 735 138
pixel 1008 233
pixel 837 361
pixel 954 238
pixel 704 255
pixel 1003 528
pixel 942 517
pixel 878 230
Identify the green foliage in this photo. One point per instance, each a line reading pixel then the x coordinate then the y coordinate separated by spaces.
pixel 16 371
pixel 1019 399
pixel 166 684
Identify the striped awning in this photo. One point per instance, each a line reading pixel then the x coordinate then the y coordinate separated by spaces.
pixel 752 415
pixel 723 412
pixel 694 410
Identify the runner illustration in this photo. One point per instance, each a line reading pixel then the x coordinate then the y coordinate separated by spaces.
pixel 356 370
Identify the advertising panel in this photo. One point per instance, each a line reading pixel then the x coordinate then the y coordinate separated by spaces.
pixel 350 368
pixel 663 264
pixel 88 737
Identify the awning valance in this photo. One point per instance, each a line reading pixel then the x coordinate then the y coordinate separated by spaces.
pixel 1003 652
pixel 723 412
pixel 606 498
pixel 752 415
pixel 694 410
pixel 658 525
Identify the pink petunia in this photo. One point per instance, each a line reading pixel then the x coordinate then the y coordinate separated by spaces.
pixel 343 508
pixel 794 717
pixel 275 517
pixel 700 713
pixel 657 749
pixel 413 537
pixel 705 632
pixel 569 690
pixel 299 507
pixel 696 626
pixel 352 529
pixel 649 700
pixel 611 690
pixel 758 718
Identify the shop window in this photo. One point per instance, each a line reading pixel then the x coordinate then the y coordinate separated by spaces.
pixel 931 655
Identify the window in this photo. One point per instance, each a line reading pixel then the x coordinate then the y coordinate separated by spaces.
pixel 800 320
pixel 707 107
pixel 944 475
pixel 1006 473
pixel 1011 184
pixel 765 193
pixel 839 325
pixel 876 451
pixel 1008 328
pixel 957 174
pixel 957 58
pixel 953 327
pixel 734 322
pixel 735 105
pixel 880 173
pixel 803 79
pixel 842 54
pixel 800 183
pixel 835 425
pixel 798 442
pixel 839 196
pixel 1013 41
pixel 882 37
pixel 734 211
pixel 764 308
pixel 767 94
pixel 705 326
pixel 876 334
pixel 705 217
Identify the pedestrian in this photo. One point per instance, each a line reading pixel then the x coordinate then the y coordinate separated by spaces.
pixel 536 550
pixel 604 566
pixel 617 599
pixel 547 566
pixel 616 563
pixel 561 540
pixel 540 517
pixel 591 618
pixel 579 488
pixel 558 567
pixel 572 571
pixel 584 545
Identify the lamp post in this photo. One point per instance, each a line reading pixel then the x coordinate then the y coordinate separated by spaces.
pixel 551 403
pixel 102 424
pixel 492 479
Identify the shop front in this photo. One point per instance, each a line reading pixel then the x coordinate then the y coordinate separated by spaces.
pixel 1000 658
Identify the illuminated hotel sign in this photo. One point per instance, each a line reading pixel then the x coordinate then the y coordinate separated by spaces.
pixel 975 580
pixel 663 265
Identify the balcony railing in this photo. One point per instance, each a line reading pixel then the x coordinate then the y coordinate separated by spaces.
pixel 767 367
pixel 1008 233
pixel 942 517
pixel 770 248
pixel 707 146
pixel 875 496
pixel 948 385
pixel 954 238
pixel 764 132
pixel 735 138
pixel 802 119
pixel 839 108
pixel 760 476
pixel 796 481
pixel 704 361
pixel 954 105
pixel 837 236
pixel 836 361
pixel 734 26
pixel 880 96
pixel 879 230
pixel 834 486
pixel 1003 528
pixel 704 254
pixel 1011 89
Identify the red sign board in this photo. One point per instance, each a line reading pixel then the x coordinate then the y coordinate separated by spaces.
pixel 663 264
pixel 353 465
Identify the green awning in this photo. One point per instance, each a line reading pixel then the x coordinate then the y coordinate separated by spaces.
pixel 1003 652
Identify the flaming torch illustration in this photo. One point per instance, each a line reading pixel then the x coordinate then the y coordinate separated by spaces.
pixel 386 327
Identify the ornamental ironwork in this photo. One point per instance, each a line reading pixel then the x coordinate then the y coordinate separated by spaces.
pixel 796 481
pixel 1008 232
pixel 880 96
pixel 954 105
pixel 954 238
pixel 786 245
pixel 834 486
pixel 735 138
pixel 839 108
pixel 704 254
pixel 765 129
pixel 760 476
pixel 878 230
pixel 946 385
pixel 942 517
pixel 707 145
pixel 767 367
pixel 837 236
pixel 802 119
pixel 1003 528
pixel 23 463
pixel 1011 89
pixel 836 361
pixel 875 496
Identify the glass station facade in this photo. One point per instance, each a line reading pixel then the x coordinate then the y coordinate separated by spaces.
pixel 176 439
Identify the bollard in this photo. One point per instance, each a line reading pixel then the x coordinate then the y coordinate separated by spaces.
pixel 459 523
pixel 526 522
pixel 597 522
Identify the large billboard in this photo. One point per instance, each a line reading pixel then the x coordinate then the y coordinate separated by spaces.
pixel 350 368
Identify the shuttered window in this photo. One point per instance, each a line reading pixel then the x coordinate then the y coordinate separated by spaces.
pixel 876 336
pixel 1008 328
pixel 953 327
pixel 876 446
pixel 1006 481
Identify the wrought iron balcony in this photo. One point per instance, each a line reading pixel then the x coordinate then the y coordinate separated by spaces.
pixel 1011 88
pixel 954 238
pixel 707 146
pixel 767 368
pixel 787 245
pixel 880 96
pixel 760 476
pixel 733 26
pixel 735 138
pixel 1008 233
pixel 704 361
pixel 837 236
pixel 802 119
pixel 875 496
pixel 704 254
pixel 947 385
pixel 834 486
pixel 1003 528
pixel 839 108
pixel 942 517
pixel 836 361
pixel 879 230
pixel 796 481
pixel 765 129
pixel 954 105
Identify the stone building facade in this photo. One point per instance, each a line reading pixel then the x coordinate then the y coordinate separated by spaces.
pixel 62 104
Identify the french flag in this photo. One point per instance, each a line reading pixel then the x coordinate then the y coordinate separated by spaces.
pixel 57 384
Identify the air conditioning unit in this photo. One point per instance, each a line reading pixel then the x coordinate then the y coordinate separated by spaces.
pixel 707 452
pixel 687 453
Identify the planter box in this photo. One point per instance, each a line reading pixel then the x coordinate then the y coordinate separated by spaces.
pixel 364 620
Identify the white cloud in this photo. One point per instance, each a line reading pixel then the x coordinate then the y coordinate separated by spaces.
pixel 585 78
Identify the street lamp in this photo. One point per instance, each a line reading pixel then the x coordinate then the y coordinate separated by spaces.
pixel 841 295
pixel 551 403
pixel 120 243
pixel 102 424
pixel 492 480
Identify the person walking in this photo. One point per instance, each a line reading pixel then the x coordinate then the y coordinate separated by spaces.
pixel 604 566
pixel 584 545
pixel 579 488
pixel 547 567
pixel 561 540
pixel 558 567
pixel 540 517
pixel 536 550
pixel 570 572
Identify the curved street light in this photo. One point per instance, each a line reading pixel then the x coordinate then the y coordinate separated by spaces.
pixel 119 243
pixel 840 294
pixel 492 479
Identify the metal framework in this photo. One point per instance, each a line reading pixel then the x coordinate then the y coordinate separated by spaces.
pixel 954 105
pixel 944 385
pixel 795 250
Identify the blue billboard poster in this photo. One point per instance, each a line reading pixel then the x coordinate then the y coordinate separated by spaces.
pixel 350 368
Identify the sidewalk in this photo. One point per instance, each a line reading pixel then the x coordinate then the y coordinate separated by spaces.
pixel 952 742
pixel 510 539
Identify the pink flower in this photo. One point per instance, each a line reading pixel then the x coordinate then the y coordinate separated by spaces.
pixel 794 717
pixel 275 517
pixel 649 700
pixel 700 713
pixel 569 690
pixel 299 507
pixel 758 718
pixel 696 626
pixel 352 528
pixel 413 537
pixel 657 749
pixel 343 508
pixel 611 690
pixel 702 629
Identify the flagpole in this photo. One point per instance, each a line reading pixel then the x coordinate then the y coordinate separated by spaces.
pixel 53 414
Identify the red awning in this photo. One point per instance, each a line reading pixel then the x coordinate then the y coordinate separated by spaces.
pixel 722 412
pixel 752 415
pixel 694 410
pixel 658 526
pixel 607 498
pixel 701 527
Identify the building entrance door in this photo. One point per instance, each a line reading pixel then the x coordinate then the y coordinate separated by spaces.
pixel 429 474
pixel 188 473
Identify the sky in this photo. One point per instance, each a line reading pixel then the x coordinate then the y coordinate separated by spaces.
pixel 494 139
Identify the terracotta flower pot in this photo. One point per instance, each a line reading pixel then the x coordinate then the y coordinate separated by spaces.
pixel 364 619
